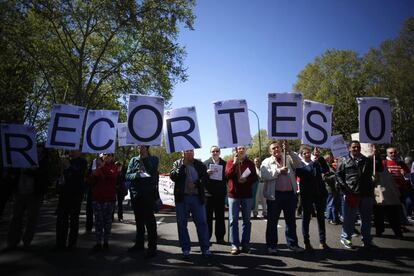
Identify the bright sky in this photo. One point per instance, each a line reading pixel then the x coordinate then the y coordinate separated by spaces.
pixel 244 49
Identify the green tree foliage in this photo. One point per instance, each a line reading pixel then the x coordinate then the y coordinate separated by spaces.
pixel 259 149
pixel 391 75
pixel 338 77
pixel 91 53
pixel 335 78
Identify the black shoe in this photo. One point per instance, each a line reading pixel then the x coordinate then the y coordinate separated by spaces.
pixel 9 249
pixel 97 247
pixel 150 253
pixel 245 249
pixel 136 248
pixel 221 242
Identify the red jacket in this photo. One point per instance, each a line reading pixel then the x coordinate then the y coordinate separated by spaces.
pixel 237 189
pixel 394 168
pixel 103 183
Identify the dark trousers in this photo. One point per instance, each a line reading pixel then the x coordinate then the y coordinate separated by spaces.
pixel 393 215
pixel 89 211
pixel 215 205
pixel 120 199
pixel 307 203
pixel 144 218
pixel 286 202
pixel 67 222
pixel 21 227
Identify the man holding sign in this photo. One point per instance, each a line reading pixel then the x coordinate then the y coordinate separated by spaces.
pixel 355 176
pixel 190 176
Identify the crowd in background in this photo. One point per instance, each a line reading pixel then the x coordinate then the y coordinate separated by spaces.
pixel 350 190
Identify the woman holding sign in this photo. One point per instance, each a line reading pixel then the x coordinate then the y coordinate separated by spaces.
pixel 215 194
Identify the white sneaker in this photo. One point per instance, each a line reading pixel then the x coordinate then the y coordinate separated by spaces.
pixel 272 251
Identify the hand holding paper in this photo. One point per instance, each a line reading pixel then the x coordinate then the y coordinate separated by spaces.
pixel 246 173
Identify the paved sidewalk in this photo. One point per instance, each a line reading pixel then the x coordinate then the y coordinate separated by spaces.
pixel 392 257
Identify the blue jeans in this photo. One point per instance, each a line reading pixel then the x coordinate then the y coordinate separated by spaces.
pixel 365 208
pixel 246 207
pixel 191 203
pixel 333 205
pixel 285 201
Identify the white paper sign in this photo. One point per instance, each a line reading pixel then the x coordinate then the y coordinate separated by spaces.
pixel 246 173
pixel 374 120
pixel 100 131
pixel 317 124
pixel 181 129
pixel 284 120
pixel 166 190
pixel 145 117
pixel 232 123
pixel 18 144
pixel 122 135
pixel 338 146
pixel 217 172
pixel 65 127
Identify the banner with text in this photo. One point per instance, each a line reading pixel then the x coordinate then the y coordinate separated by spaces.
pixel 181 129
pixel 232 123
pixel 374 120
pixel 18 144
pixel 145 118
pixel 284 120
pixel 166 190
pixel 100 131
pixel 65 127
pixel 317 124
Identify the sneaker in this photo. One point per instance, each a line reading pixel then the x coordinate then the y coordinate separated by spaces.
pixel 347 244
pixel 324 246
pixel 234 250
pixel 186 254
pixel 332 222
pixel 308 246
pixel 272 251
pixel 296 248
pixel 207 254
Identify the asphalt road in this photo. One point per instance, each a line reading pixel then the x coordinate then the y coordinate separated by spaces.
pixel 392 257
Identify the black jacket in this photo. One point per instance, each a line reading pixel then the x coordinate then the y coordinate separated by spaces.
pixel 311 183
pixel 356 176
pixel 178 175
pixel 213 187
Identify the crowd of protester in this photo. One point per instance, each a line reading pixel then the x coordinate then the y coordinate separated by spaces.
pixel 346 190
